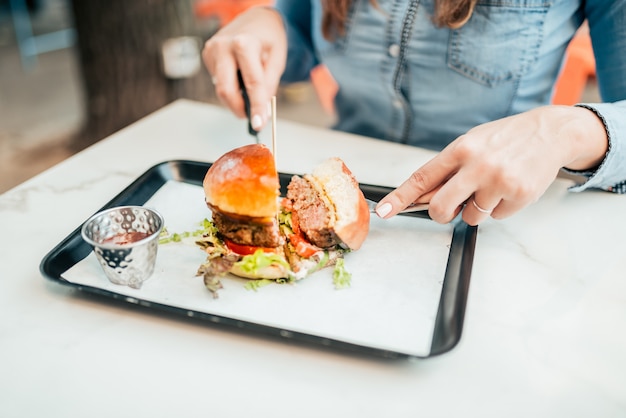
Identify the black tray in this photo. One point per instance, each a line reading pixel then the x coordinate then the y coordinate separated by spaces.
pixel 451 310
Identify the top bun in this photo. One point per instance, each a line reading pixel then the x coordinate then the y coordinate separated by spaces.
pixel 352 215
pixel 244 181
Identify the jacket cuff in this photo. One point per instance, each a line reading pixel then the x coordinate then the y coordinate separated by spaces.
pixel 610 174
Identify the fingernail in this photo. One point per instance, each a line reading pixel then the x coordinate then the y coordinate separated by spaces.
pixel 383 210
pixel 256 122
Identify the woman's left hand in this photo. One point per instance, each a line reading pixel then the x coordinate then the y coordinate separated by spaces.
pixel 500 167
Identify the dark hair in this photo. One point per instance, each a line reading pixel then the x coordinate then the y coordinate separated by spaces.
pixel 448 13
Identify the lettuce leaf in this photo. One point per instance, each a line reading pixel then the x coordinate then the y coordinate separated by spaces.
pixel 253 262
pixel 341 276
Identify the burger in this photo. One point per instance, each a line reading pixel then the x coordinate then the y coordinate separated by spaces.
pixel 257 234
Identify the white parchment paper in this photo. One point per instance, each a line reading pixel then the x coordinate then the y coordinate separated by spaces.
pixel 392 303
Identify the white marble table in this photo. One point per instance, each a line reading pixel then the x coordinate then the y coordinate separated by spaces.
pixel 544 334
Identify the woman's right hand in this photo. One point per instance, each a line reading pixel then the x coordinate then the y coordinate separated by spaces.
pixel 255 43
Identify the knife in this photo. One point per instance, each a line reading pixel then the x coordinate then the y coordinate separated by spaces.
pixel 246 101
pixel 413 207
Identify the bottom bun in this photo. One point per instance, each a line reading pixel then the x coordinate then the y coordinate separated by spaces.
pixel 272 272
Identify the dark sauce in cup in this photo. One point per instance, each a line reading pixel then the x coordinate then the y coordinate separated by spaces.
pixel 126 238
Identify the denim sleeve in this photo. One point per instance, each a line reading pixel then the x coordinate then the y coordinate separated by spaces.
pixel 607 25
pixel 301 56
pixel 611 174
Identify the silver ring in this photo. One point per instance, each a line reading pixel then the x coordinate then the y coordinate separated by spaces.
pixel 214 80
pixel 488 212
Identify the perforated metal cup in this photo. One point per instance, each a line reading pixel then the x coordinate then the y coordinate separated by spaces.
pixel 125 240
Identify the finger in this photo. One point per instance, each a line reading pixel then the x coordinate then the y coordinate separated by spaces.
pixel 507 208
pixel 474 212
pixel 461 191
pixel 446 203
pixel 208 54
pixel 248 54
pixel 426 197
pixel 419 187
pixel 274 60
pixel 222 66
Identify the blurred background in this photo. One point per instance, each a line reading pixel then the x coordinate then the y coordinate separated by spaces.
pixel 73 72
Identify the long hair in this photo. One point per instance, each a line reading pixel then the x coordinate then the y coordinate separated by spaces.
pixel 448 13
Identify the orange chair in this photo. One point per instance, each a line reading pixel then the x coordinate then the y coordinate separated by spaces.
pixel 579 67
pixel 225 10
pixel 326 88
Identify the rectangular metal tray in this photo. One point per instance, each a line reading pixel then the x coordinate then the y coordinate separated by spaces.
pixel 448 323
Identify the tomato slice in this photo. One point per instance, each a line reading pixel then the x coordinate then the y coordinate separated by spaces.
pixel 295 223
pixel 303 247
pixel 286 203
pixel 246 249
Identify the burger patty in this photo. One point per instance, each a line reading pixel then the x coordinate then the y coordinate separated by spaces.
pixel 314 217
pixel 248 232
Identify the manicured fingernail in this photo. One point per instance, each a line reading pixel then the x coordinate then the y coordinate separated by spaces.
pixel 256 122
pixel 383 210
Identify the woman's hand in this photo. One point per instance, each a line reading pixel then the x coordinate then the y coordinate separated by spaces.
pixel 500 167
pixel 255 42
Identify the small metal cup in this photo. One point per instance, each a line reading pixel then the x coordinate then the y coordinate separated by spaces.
pixel 125 240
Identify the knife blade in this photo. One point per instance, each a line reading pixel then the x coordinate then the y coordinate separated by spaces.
pixel 246 101
pixel 414 207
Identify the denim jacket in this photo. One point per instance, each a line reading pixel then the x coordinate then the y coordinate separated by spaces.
pixel 405 80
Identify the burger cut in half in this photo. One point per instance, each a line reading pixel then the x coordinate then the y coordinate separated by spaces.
pixel 257 234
